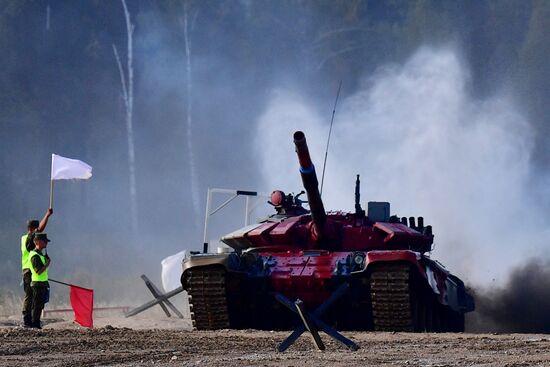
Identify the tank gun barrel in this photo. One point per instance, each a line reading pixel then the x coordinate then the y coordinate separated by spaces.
pixel 311 185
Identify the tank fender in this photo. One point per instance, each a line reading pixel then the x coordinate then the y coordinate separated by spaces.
pixel 228 261
pixel 409 256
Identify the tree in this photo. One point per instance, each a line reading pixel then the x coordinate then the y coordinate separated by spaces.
pixel 189 115
pixel 127 85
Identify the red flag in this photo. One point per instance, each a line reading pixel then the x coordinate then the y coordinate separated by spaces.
pixel 82 302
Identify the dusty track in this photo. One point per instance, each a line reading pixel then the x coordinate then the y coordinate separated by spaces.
pixel 128 347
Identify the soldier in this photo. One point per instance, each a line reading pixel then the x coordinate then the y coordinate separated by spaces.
pixel 27 245
pixel 40 263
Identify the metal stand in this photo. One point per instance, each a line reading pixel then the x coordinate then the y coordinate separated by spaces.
pixel 160 299
pixel 312 323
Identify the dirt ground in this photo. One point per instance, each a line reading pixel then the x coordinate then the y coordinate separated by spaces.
pixel 153 339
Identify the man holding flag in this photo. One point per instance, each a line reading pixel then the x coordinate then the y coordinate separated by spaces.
pixel 35 264
pixel 27 245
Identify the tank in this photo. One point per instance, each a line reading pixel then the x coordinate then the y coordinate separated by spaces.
pixel 304 254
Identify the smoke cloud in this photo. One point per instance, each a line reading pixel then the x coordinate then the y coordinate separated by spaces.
pixel 520 305
pixel 422 142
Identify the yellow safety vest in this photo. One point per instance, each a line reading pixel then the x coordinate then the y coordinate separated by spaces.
pixel 25 258
pixel 35 276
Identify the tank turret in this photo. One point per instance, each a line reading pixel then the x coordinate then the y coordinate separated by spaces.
pixel 311 185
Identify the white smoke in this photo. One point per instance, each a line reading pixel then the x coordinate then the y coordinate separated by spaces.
pixel 420 141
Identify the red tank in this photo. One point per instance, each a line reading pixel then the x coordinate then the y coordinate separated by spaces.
pixel 307 254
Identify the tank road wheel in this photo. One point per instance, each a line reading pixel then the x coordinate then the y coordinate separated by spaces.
pixel 431 316
pixel 455 321
pixel 438 317
pixel 207 298
pixel 419 313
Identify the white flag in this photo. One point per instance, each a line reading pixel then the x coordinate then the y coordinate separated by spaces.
pixel 69 169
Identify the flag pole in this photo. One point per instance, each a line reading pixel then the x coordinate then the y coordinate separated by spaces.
pixel 51 194
pixel 57 281
pixel 51 184
pixel 68 284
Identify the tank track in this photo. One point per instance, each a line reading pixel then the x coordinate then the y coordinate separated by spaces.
pixel 391 298
pixel 207 298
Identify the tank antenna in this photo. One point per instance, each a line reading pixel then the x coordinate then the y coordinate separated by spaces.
pixel 328 140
